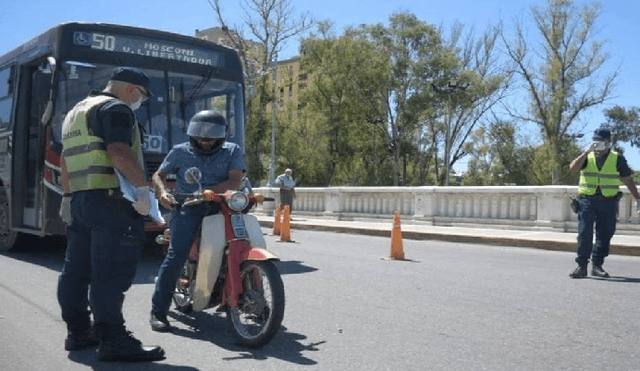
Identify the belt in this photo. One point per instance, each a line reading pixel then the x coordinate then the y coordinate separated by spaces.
pixel 601 197
pixel 112 192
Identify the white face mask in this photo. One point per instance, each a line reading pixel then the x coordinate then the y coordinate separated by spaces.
pixel 135 105
pixel 600 145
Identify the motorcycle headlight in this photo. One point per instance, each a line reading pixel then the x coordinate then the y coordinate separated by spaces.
pixel 237 201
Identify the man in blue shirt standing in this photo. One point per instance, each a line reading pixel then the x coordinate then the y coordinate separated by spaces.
pixel 222 166
pixel 286 183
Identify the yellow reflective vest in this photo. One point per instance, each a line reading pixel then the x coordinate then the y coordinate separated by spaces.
pixel 88 163
pixel 607 178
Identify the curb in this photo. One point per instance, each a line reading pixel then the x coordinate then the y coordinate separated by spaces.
pixel 552 245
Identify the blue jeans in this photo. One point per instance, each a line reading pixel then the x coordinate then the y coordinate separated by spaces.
pixel 603 212
pixel 104 246
pixel 184 225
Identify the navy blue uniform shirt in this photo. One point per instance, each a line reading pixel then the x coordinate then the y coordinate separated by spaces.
pixel 112 121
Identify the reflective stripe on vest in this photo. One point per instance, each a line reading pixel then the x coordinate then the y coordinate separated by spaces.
pixel 608 178
pixel 88 163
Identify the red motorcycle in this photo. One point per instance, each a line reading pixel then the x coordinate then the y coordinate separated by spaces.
pixel 230 268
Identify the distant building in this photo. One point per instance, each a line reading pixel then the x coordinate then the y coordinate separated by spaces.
pixel 254 52
pixel 216 35
pixel 291 80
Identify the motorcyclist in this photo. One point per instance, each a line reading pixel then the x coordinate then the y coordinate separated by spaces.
pixel 222 166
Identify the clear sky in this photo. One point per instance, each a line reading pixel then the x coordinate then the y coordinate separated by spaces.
pixel 620 23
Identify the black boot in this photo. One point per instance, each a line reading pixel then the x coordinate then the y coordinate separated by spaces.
pixel 159 322
pixel 579 272
pixel 77 340
pixel 597 271
pixel 126 348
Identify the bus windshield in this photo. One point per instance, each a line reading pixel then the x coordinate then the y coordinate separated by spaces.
pixel 165 116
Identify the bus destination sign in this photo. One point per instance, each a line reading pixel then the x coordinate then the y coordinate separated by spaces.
pixel 147 47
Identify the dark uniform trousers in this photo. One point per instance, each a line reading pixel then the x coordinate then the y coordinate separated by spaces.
pixel 601 211
pixel 104 245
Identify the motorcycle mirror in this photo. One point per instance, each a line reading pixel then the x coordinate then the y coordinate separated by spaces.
pixel 193 175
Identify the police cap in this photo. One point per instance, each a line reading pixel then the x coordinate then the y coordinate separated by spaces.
pixel 602 134
pixel 133 76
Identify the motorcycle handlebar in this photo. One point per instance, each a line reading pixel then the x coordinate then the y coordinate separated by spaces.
pixel 191 199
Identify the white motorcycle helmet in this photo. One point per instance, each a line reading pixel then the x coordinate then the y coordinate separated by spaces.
pixel 207 125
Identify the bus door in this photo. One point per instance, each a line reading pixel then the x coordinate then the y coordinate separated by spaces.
pixel 28 156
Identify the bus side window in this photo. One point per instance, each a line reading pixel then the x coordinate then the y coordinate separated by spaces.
pixel 6 97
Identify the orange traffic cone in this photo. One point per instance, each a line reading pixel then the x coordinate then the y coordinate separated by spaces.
pixel 397 251
pixel 285 232
pixel 276 223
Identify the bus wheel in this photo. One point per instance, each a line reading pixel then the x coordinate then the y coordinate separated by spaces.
pixel 7 236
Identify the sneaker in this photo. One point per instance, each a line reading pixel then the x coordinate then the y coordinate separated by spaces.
pixel 579 272
pixel 126 348
pixel 81 340
pixel 597 271
pixel 159 322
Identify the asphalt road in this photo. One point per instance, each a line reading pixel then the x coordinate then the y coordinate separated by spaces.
pixel 448 307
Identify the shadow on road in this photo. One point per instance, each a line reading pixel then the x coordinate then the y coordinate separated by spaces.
pixel 46 251
pixel 89 357
pixel 619 279
pixel 49 252
pixel 293 267
pixel 213 328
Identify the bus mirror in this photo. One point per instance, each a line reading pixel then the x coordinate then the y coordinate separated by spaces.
pixel 42 86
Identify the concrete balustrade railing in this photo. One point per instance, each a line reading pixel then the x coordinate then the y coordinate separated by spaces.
pixel 519 207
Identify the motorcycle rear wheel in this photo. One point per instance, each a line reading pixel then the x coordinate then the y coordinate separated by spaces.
pixel 261 306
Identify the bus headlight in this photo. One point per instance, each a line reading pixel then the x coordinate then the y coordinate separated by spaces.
pixel 237 201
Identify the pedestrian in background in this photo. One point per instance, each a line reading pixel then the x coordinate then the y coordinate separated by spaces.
pixel 601 170
pixel 105 232
pixel 287 184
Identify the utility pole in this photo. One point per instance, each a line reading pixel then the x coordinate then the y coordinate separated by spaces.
pixel 448 89
pixel 272 162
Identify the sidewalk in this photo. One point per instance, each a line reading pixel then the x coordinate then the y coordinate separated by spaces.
pixel 549 240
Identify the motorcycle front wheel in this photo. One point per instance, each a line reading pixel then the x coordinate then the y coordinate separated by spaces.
pixel 261 306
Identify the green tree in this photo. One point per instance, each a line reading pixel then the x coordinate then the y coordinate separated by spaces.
pixel 561 76
pixel 303 146
pixel 414 49
pixel 371 81
pixel 272 23
pixel 624 125
pixel 480 166
pixel 542 162
pixel 487 78
pixel 497 158
pixel 422 124
pixel 343 71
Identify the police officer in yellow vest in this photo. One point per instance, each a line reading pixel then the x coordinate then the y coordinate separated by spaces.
pixel 105 232
pixel 601 170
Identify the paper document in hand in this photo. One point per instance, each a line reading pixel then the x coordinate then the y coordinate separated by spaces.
pixel 130 192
